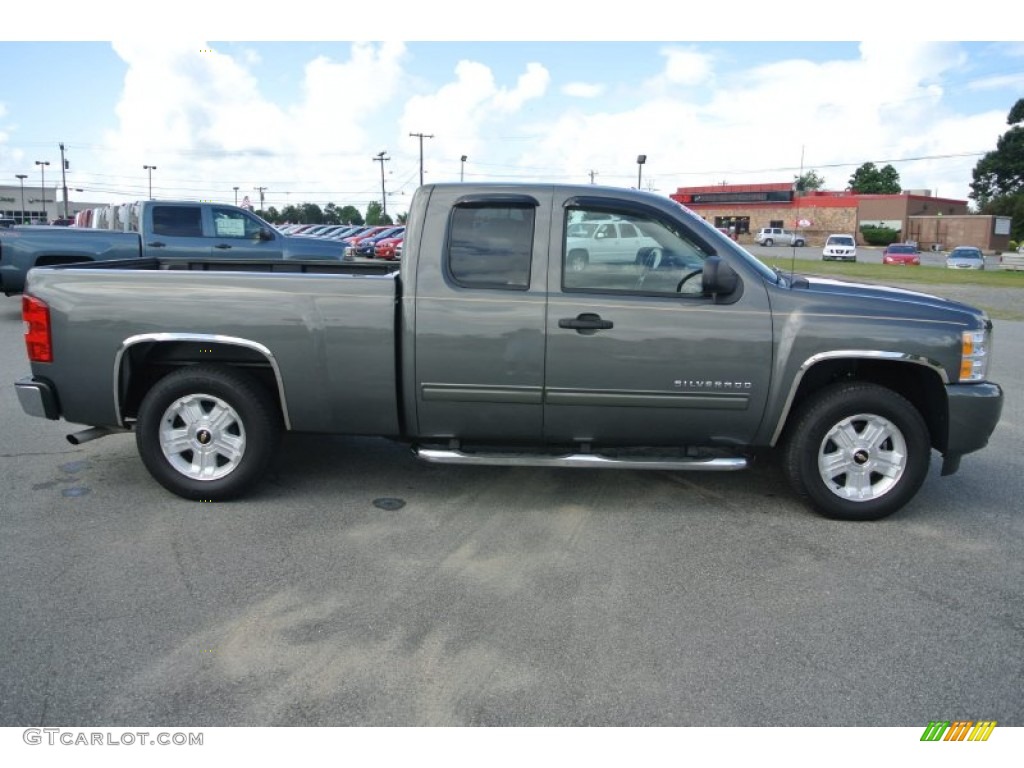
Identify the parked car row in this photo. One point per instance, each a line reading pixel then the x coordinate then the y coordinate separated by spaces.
pixel 366 241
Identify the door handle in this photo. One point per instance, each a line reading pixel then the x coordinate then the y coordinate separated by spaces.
pixel 222 246
pixel 156 244
pixel 587 323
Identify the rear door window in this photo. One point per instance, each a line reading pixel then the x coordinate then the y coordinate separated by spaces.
pixel 178 220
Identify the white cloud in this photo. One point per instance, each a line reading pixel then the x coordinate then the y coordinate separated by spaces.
pixel 1015 80
pixel 457 112
pixel 684 67
pixel 583 90
pixel 200 114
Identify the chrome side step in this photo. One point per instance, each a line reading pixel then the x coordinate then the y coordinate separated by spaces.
pixel 580 460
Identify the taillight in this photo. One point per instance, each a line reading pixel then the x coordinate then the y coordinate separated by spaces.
pixel 36 315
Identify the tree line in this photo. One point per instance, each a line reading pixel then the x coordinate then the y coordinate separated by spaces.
pixel 311 213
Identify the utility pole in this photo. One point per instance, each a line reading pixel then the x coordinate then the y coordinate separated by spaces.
pixel 261 191
pixel 236 195
pixel 592 175
pixel 64 178
pixel 380 158
pixel 462 168
pixel 422 136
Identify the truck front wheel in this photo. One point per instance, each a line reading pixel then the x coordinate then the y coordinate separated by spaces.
pixel 857 451
pixel 207 433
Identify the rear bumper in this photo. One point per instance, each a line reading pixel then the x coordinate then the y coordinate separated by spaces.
pixel 37 398
pixel 974 411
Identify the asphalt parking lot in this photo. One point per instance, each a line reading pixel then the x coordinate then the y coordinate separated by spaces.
pixel 360 587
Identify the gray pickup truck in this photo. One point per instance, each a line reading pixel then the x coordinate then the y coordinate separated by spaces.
pixel 485 347
pixel 184 230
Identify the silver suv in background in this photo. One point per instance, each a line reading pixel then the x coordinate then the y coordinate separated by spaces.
pixel 775 236
pixel 839 248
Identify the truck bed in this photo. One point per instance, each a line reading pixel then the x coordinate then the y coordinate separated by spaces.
pixel 326 331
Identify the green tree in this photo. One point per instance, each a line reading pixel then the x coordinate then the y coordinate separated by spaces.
pixel 272 215
pixel 311 214
pixel 403 218
pixel 290 214
pixel 808 182
pixel 350 215
pixel 332 214
pixel 375 214
pixel 1000 173
pixel 871 180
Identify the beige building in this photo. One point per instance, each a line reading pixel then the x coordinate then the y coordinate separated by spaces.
pixel 41 204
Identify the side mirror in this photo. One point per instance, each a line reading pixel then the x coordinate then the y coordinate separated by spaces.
pixel 265 234
pixel 720 280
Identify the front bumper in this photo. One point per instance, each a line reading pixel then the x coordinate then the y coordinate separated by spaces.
pixel 974 411
pixel 37 398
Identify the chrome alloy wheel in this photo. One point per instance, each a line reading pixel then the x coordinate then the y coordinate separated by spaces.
pixel 202 437
pixel 862 457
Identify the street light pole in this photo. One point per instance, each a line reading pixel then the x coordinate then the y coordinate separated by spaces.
pixel 462 169
pixel 21 178
pixel 150 168
pixel 42 184
pixel 380 158
pixel 640 160
pixel 236 195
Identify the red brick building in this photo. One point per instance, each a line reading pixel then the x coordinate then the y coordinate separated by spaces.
pixel 929 220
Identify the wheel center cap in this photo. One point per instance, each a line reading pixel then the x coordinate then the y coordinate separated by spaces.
pixel 861 457
pixel 203 436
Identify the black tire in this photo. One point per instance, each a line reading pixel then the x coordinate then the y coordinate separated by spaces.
pixel 880 467
pixel 799 243
pixel 207 432
pixel 768 242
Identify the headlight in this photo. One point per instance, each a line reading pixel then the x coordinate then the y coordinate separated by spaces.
pixel 974 349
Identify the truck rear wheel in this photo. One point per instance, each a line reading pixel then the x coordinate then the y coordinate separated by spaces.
pixel 207 433
pixel 857 451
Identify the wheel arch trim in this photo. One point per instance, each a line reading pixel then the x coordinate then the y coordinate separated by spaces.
pixel 205 338
pixel 850 354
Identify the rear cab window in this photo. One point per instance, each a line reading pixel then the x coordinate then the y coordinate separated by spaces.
pixel 490 245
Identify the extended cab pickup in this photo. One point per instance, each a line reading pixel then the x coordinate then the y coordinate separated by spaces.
pixel 484 347
pixel 166 229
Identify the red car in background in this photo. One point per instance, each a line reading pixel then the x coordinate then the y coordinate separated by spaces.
pixel 901 253
pixel 388 248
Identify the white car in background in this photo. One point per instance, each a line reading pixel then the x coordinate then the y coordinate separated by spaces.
pixel 604 242
pixel 839 248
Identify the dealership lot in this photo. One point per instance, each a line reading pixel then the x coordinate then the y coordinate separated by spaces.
pixel 360 587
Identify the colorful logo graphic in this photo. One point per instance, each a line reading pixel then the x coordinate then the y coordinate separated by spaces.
pixel 959 730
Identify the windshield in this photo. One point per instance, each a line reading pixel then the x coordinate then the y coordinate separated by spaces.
pixel 965 253
pixel 840 241
pixel 902 249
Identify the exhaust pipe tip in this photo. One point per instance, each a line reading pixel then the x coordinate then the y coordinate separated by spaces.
pixel 77 438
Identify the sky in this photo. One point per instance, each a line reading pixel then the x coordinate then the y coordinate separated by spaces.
pixel 218 105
